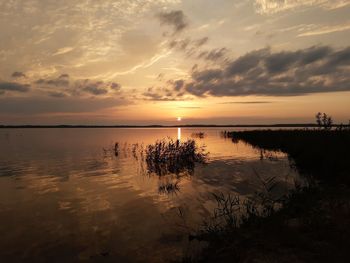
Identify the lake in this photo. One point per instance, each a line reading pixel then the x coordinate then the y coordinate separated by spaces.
pixel 64 197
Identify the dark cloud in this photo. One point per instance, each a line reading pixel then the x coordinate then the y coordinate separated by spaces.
pixel 163 94
pixel 97 87
pixel 43 105
pixel 288 73
pixel 18 74
pixel 61 81
pixel 13 86
pixel 246 62
pixel 65 86
pixel 115 86
pixel 176 84
pixel 95 90
pixel 175 18
pixel 214 54
pixel 55 94
pixel 200 42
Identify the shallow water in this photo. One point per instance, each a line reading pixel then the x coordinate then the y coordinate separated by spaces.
pixel 64 199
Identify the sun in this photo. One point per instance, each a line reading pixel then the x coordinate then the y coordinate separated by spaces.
pixel 178 118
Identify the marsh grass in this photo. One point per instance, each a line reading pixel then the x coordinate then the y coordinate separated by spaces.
pixel 199 135
pixel 308 224
pixel 322 153
pixel 169 188
pixel 164 157
pixel 173 156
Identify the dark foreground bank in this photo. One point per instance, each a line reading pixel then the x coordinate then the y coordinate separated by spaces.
pixel 309 224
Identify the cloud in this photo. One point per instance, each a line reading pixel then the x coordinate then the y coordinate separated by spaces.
pixel 61 81
pixel 163 94
pixel 95 90
pixel 275 6
pixel 194 48
pixel 214 54
pixel 13 86
pixel 44 105
pixel 262 72
pixel 246 102
pixel 77 87
pixel 115 86
pixel 18 74
pixel 96 87
pixel 175 19
pixel 326 30
pixel 190 107
pixel 56 94
pixel 63 50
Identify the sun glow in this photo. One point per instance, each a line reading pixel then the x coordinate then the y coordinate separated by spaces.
pixel 179 118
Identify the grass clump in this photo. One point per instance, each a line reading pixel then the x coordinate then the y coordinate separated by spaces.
pixel 199 135
pixel 310 224
pixel 173 156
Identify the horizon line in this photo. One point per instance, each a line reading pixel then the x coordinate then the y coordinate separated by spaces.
pixel 161 126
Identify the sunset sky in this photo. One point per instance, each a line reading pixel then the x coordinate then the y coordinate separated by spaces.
pixel 151 61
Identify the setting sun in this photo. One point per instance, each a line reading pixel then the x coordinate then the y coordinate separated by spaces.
pixel 178 118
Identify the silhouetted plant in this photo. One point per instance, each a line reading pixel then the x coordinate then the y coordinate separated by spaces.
pixel 171 156
pixel 169 188
pixel 324 121
pixel 199 135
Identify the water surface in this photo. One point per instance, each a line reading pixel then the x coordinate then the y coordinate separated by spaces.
pixel 63 198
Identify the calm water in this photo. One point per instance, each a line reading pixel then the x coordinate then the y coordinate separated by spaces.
pixel 63 199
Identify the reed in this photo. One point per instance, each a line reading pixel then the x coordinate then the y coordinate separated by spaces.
pixel 173 156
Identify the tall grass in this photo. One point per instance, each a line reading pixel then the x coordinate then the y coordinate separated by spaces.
pixel 324 154
pixel 166 156
pixel 170 156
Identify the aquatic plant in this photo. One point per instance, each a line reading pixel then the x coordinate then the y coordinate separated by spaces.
pixel 173 156
pixel 166 156
pixel 169 188
pixel 199 135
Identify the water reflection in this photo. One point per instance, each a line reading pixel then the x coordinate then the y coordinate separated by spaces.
pixel 63 197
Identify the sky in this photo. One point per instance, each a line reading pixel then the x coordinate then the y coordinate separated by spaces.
pixel 150 61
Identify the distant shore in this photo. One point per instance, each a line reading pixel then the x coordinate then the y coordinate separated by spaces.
pixel 303 125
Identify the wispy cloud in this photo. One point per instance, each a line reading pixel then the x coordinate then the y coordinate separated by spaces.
pixel 275 6
pixel 63 50
pixel 326 30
